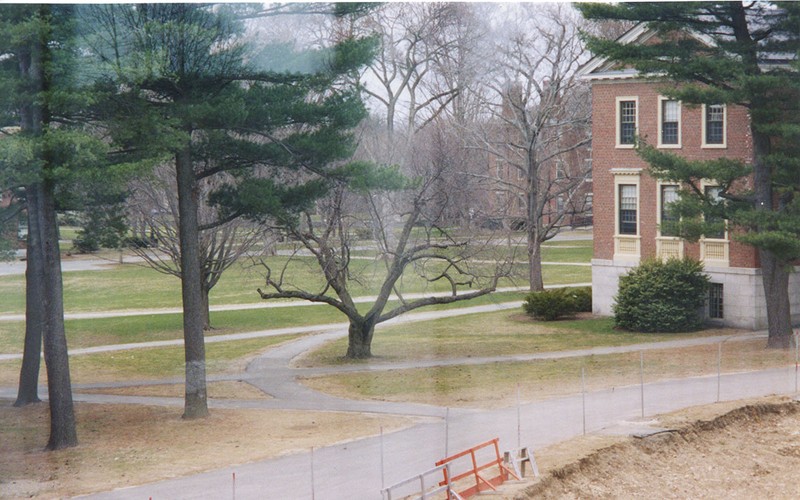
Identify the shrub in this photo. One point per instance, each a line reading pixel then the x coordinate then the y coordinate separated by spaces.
pixel 583 298
pixel 550 304
pixel 661 296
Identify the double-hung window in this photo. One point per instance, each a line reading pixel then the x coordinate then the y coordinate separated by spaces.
pixel 714 125
pixel 626 134
pixel 628 206
pixel 670 114
pixel 713 193
pixel 669 195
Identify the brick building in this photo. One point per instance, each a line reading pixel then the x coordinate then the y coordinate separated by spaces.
pixel 629 204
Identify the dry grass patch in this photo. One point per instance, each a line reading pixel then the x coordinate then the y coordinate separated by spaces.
pixel 124 445
pixel 495 384
pixel 225 389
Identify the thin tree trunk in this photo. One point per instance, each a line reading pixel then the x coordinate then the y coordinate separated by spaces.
pixel 34 316
pixel 359 339
pixel 56 356
pixel 196 401
pixel 535 263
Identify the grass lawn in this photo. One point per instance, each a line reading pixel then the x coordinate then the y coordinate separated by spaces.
pixel 132 286
pixel 496 384
pixel 131 329
pixel 150 364
pixel 493 334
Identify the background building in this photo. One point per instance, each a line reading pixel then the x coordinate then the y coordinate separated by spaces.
pixel 630 205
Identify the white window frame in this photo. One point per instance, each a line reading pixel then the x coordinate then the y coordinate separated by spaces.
pixel 627 246
pixel 722 245
pixel 724 143
pixel 618 124
pixel 661 101
pixel 660 206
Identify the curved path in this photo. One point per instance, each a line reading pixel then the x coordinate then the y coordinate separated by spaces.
pixel 359 469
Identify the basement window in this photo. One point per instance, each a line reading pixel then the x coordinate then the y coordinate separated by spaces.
pixel 716 309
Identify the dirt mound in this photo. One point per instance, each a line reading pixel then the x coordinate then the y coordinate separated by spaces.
pixel 750 452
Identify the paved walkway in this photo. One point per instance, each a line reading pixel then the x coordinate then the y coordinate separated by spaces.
pixel 360 469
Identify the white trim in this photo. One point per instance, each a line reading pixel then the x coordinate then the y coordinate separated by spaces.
pixel 721 246
pixel 627 171
pixel 627 247
pixel 659 205
pixel 724 144
pixel 597 62
pixel 617 123
pixel 661 100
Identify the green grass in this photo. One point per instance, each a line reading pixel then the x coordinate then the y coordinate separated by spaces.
pixel 149 364
pixel 492 334
pixel 581 254
pixel 132 329
pixel 138 287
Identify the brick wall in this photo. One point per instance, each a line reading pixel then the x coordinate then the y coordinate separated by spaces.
pixel 605 156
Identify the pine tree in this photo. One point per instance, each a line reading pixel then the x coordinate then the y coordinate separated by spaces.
pixel 44 149
pixel 190 92
pixel 742 53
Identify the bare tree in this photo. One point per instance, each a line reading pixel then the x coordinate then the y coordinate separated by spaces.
pixel 153 215
pixel 539 121
pixel 423 250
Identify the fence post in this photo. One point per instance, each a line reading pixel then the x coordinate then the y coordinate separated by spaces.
pixel 719 370
pixel 519 420
pixel 796 356
pixel 641 378
pixel 583 397
pixel 447 432
pixel 312 473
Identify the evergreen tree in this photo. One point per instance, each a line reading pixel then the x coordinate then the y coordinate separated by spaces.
pixel 189 90
pixel 44 149
pixel 737 53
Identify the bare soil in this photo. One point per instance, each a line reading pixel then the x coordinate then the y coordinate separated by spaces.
pixel 124 445
pixel 752 451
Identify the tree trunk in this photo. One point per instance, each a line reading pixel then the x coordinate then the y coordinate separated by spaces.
pixel 535 263
pixel 56 356
pixel 359 339
pixel 206 310
pixel 774 272
pixel 532 234
pixel 195 402
pixel 775 277
pixel 34 116
pixel 34 316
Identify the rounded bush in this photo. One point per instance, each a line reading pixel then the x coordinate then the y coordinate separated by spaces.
pixel 583 298
pixel 661 296
pixel 550 304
